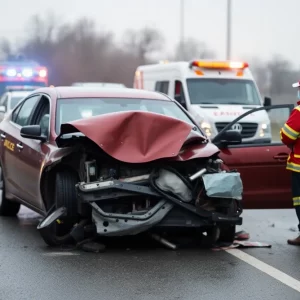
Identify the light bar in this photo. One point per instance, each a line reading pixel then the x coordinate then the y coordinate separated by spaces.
pixel 11 72
pixel 219 64
pixel 27 72
pixel 43 73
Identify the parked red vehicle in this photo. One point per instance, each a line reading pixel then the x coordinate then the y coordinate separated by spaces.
pixel 123 162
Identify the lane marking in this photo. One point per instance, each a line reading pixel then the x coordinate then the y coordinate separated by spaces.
pixel 60 253
pixel 271 271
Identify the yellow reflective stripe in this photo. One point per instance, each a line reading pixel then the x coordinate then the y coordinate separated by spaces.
pixel 294 164
pixel 280 134
pixel 296 201
pixel 293 167
pixel 291 129
pixel 285 129
pixel 296 155
pixel 297 108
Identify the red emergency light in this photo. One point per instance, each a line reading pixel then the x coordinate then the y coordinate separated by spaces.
pixel 219 64
pixel 24 73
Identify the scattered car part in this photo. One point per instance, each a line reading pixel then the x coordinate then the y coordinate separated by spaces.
pixel 49 220
pixel 163 241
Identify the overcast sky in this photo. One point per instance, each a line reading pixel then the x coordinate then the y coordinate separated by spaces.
pixel 259 27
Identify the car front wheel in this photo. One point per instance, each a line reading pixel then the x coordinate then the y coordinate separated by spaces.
pixel 7 208
pixel 65 196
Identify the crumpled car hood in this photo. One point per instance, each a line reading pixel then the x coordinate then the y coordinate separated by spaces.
pixel 135 136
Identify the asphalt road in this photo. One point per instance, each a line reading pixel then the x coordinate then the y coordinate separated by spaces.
pixel 31 271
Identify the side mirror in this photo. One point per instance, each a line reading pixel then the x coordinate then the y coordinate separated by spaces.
pixel 230 137
pixel 32 132
pixel 2 109
pixel 267 101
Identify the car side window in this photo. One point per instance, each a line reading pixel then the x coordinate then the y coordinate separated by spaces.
pixel 162 86
pixel 3 100
pixel 15 113
pixel 25 111
pixel 179 93
pixel 41 115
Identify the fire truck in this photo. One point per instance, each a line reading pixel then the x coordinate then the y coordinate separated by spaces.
pixel 20 71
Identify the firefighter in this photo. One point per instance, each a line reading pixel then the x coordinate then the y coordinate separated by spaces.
pixel 289 135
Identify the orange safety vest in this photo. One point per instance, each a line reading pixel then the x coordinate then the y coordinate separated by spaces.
pixel 289 135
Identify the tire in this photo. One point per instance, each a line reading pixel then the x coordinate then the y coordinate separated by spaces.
pixel 7 208
pixel 64 195
pixel 227 234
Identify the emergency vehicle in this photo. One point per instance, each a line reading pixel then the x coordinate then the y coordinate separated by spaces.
pixel 19 71
pixel 12 96
pixel 213 92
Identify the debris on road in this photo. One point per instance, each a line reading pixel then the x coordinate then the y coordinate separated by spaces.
pixel 243 244
pixel 93 247
pixel 242 235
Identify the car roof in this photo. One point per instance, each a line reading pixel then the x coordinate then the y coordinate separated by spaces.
pixel 95 92
pixel 20 93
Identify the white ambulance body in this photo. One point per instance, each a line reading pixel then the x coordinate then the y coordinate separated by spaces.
pixel 213 92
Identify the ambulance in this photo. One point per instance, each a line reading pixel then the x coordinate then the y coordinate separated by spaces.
pixel 213 92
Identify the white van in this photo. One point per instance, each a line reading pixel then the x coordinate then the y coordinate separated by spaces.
pixel 213 92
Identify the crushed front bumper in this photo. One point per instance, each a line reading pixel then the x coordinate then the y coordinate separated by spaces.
pixel 166 213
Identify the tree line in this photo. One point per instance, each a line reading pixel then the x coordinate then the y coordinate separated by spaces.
pixel 77 52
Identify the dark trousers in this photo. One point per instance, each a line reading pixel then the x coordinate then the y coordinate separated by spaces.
pixel 296 194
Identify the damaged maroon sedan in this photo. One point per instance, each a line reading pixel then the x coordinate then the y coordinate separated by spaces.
pixel 104 163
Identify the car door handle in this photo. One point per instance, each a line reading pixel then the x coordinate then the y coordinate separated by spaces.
pixel 20 146
pixel 3 136
pixel 281 156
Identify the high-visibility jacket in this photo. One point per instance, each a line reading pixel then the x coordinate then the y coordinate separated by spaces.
pixel 289 135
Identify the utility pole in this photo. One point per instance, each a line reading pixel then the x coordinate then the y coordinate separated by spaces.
pixel 182 29
pixel 228 38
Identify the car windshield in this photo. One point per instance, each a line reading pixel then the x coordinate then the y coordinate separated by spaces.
pixel 14 101
pixel 73 109
pixel 222 91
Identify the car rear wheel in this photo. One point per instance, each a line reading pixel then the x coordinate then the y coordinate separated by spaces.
pixel 58 233
pixel 7 208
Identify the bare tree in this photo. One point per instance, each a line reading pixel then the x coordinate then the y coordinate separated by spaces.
pixel 193 49
pixel 280 73
pixel 143 42
pixel 261 75
pixel 5 47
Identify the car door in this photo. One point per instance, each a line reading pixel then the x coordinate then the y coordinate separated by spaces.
pixel 31 156
pixel 266 182
pixel 18 170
